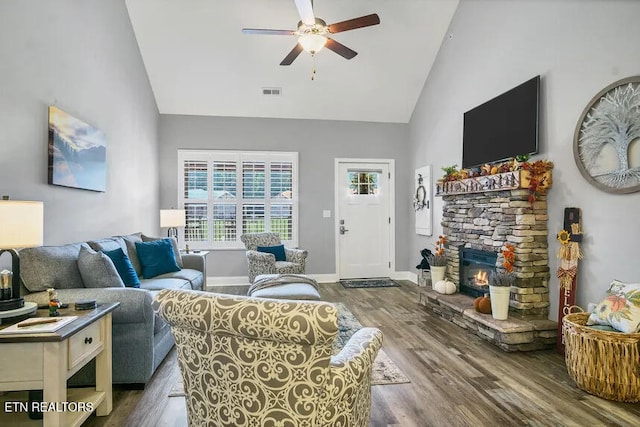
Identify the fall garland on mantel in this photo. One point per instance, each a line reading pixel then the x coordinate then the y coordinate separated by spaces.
pixel 499 176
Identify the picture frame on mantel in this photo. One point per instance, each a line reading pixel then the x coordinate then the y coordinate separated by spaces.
pixel 606 144
pixel 77 153
pixel 422 201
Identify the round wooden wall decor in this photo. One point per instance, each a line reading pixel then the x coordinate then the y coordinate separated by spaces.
pixel 606 143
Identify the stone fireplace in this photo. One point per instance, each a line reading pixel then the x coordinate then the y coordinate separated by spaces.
pixel 484 222
pixel 478 220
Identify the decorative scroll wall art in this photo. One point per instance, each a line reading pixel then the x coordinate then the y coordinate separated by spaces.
pixel 606 143
pixel 422 201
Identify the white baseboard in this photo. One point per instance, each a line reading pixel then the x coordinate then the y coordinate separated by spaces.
pixel 325 278
pixel 216 281
pixel 407 275
pixel 404 275
pixel 213 281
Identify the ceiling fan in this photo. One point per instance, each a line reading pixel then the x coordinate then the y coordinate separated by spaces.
pixel 313 33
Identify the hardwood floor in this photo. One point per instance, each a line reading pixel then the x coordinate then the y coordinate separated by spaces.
pixel 456 378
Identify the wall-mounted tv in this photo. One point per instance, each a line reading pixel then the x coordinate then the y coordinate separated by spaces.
pixel 503 127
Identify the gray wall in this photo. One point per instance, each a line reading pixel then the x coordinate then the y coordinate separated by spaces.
pixel 318 144
pixel 81 56
pixel 578 47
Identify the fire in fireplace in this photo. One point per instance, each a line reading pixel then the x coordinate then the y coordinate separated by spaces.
pixel 481 278
pixel 475 266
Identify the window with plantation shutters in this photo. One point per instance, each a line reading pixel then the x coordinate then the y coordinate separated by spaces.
pixel 280 194
pixel 195 195
pixel 228 193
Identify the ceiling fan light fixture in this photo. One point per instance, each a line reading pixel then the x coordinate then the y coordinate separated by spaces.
pixel 313 32
pixel 312 43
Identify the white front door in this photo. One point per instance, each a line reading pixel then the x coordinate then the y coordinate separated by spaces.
pixel 363 219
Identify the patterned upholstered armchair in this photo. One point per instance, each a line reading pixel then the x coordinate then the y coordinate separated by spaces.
pixel 259 362
pixel 265 263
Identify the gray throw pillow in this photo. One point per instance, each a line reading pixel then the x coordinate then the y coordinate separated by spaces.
pixel 97 269
pixel 108 244
pixel 130 242
pixel 50 267
pixel 174 244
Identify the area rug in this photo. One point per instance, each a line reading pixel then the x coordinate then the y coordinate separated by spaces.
pixel 383 282
pixel 384 371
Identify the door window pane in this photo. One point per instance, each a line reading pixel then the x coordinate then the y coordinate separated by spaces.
pixel 363 182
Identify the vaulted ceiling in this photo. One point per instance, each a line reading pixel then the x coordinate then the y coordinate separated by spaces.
pixel 200 63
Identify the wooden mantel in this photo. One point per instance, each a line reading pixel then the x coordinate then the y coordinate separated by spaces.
pixel 497 182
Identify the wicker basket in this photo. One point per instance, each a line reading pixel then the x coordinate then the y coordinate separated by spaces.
pixel 606 364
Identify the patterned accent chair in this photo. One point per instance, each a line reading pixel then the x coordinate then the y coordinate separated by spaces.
pixel 264 263
pixel 260 362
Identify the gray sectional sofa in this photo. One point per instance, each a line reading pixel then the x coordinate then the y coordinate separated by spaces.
pixel 141 340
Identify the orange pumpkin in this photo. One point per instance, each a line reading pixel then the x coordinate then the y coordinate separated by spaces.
pixel 482 305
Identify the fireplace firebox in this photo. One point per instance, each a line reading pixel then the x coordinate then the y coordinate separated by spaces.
pixel 475 267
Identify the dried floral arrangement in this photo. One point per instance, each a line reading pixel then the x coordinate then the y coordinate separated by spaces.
pixel 505 275
pixel 538 171
pixel 438 258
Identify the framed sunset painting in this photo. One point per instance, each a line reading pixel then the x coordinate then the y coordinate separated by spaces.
pixel 77 153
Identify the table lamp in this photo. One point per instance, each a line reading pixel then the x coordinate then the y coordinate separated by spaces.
pixel 21 226
pixel 172 218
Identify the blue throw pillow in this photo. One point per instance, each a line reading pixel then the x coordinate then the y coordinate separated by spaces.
pixel 278 251
pixel 156 258
pixel 124 267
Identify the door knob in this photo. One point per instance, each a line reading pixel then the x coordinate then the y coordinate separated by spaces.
pixel 343 230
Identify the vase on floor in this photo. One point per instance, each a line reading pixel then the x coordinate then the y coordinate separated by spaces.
pixel 500 296
pixel 437 273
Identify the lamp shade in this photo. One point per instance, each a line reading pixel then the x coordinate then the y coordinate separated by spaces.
pixel 172 218
pixel 21 224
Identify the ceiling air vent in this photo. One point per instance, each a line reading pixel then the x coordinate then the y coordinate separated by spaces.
pixel 274 91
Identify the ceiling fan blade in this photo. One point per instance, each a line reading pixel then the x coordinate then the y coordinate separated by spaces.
pixel 268 32
pixel 305 10
pixel 340 49
pixel 352 24
pixel 292 55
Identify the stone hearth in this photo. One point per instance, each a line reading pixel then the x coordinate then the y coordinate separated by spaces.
pixel 513 334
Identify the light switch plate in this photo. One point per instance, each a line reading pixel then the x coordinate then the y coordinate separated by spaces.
pixel 326 214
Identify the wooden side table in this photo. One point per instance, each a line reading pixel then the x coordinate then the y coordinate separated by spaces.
pixel 45 361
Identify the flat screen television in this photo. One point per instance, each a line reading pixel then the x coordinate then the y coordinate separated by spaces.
pixel 503 127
